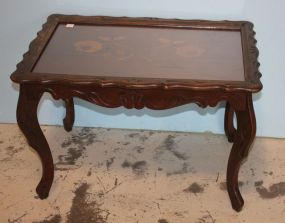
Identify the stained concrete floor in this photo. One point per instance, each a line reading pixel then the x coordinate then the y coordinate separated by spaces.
pixel 130 176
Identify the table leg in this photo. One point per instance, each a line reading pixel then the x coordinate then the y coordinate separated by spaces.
pixel 68 121
pixel 229 123
pixel 28 123
pixel 246 128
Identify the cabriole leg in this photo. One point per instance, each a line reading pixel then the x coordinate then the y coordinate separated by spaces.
pixel 246 128
pixel 28 122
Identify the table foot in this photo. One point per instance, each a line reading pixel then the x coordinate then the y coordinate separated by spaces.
pixel 68 121
pixel 43 190
pixel 246 128
pixel 229 123
pixel 28 123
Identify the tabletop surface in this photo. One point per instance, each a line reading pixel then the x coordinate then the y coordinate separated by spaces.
pixel 142 52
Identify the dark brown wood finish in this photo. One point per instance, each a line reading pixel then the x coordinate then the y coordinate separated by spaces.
pixel 251 84
pixel 229 122
pixel 140 92
pixel 246 128
pixel 28 122
pixel 68 121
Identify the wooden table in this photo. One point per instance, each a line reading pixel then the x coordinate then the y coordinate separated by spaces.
pixel 137 63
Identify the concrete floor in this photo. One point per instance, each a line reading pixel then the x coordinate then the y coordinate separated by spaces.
pixel 113 176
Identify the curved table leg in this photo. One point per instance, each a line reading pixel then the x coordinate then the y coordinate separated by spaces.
pixel 28 122
pixel 229 123
pixel 246 128
pixel 68 121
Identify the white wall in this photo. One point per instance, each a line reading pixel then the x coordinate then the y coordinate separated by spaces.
pixel 21 19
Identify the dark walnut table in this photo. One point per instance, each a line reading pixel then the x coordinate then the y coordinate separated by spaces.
pixel 137 63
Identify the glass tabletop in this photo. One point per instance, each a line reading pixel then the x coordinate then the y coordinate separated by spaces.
pixel 141 52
